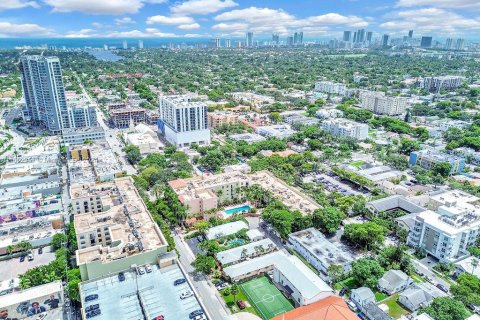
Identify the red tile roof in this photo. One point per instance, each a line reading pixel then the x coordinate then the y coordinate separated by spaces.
pixel 331 308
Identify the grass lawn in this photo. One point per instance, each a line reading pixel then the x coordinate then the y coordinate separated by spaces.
pixel 267 299
pixel 416 278
pixel 379 296
pixel 395 310
pixel 240 296
pixel 348 283
pixel 357 163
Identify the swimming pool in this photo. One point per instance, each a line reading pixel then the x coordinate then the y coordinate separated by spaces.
pixel 242 209
pixel 235 242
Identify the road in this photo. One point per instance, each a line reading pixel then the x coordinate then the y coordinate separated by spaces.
pixel 111 135
pixel 208 294
pixel 418 265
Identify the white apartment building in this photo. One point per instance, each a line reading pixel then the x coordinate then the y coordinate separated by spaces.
pixel 447 233
pixel 378 103
pixel 436 84
pixel 333 88
pixel 183 122
pixel 345 128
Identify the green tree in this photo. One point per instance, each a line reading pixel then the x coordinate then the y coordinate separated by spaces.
pixel 327 219
pixel 133 153
pixel 408 145
pixel 335 272
pixel 445 308
pixel 204 264
pixel 467 289
pixel 368 235
pixel 275 117
pixel 234 290
pixel 366 272
pixel 442 168
pixel 59 240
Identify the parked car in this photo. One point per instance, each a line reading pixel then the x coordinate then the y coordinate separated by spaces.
pixel 22 258
pixel 179 281
pixel 40 317
pixel 93 313
pixel 92 307
pixel 442 287
pixel 91 297
pixel 160 317
pixel 219 283
pixel 241 304
pixel 420 273
pixel 30 257
pixel 342 291
pixel 141 270
pixel 351 305
pixel 148 268
pixel 186 294
pixel 40 250
pixel 200 317
pixel 474 308
pixel 121 277
pixel 429 279
pixel 222 286
pixel 195 313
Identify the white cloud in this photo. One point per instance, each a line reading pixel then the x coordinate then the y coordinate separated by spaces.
pixel 16 4
pixel 452 4
pixel 8 29
pixel 124 21
pixel 432 20
pixel 174 20
pixel 97 25
pixel 266 20
pixel 106 7
pixel 202 6
pixel 83 33
pixel 191 26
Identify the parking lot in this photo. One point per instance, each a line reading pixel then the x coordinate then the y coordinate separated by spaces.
pixel 153 292
pixel 332 184
pixel 13 267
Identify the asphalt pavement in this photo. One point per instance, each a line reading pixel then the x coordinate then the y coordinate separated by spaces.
pixel 208 294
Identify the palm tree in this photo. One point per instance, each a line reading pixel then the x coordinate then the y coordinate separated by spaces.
pixel 234 291
pixel 243 255
pixel 10 249
pixel 474 264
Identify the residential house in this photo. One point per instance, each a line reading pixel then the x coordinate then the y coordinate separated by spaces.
pixel 394 281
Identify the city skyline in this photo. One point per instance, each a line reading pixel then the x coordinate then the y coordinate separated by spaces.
pixel 233 19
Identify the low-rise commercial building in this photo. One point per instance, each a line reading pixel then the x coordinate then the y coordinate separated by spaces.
pixel 117 233
pixel 102 161
pixel 75 136
pixel 46 300
pixel 225 229
pixel 299 119
pixel 345 128
pixel 145 139
pixel 428 158
pixel 253 99
pixel 318 251
pixel 276 131
pixel 247 137
pixel 218 119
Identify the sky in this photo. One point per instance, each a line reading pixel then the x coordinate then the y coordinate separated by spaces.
pixel 232 18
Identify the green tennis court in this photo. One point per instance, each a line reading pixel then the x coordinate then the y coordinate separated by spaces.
pixel 266 298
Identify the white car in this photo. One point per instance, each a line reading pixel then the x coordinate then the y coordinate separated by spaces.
pixel 148 268
pixel 200 317
pixel 186 294
pixel 141 270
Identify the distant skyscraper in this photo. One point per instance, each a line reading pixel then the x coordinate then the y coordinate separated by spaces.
pixel 105 47
pixel 275 39
pixel 449 44
pixel 347 36
pixel 426 42
pixel 290 41
pixel 228 43
pixel 215 43
pixel 140 44
pixel 410 34
pixel 361 35
pixel 44 92
pixel 369 36
pixel 355 37
pixel 125 45
pixel 385 39
pixel 249 39
pixel 460 43
pixel 299 37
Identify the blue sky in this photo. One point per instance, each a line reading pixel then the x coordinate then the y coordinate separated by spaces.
pixel 232 18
